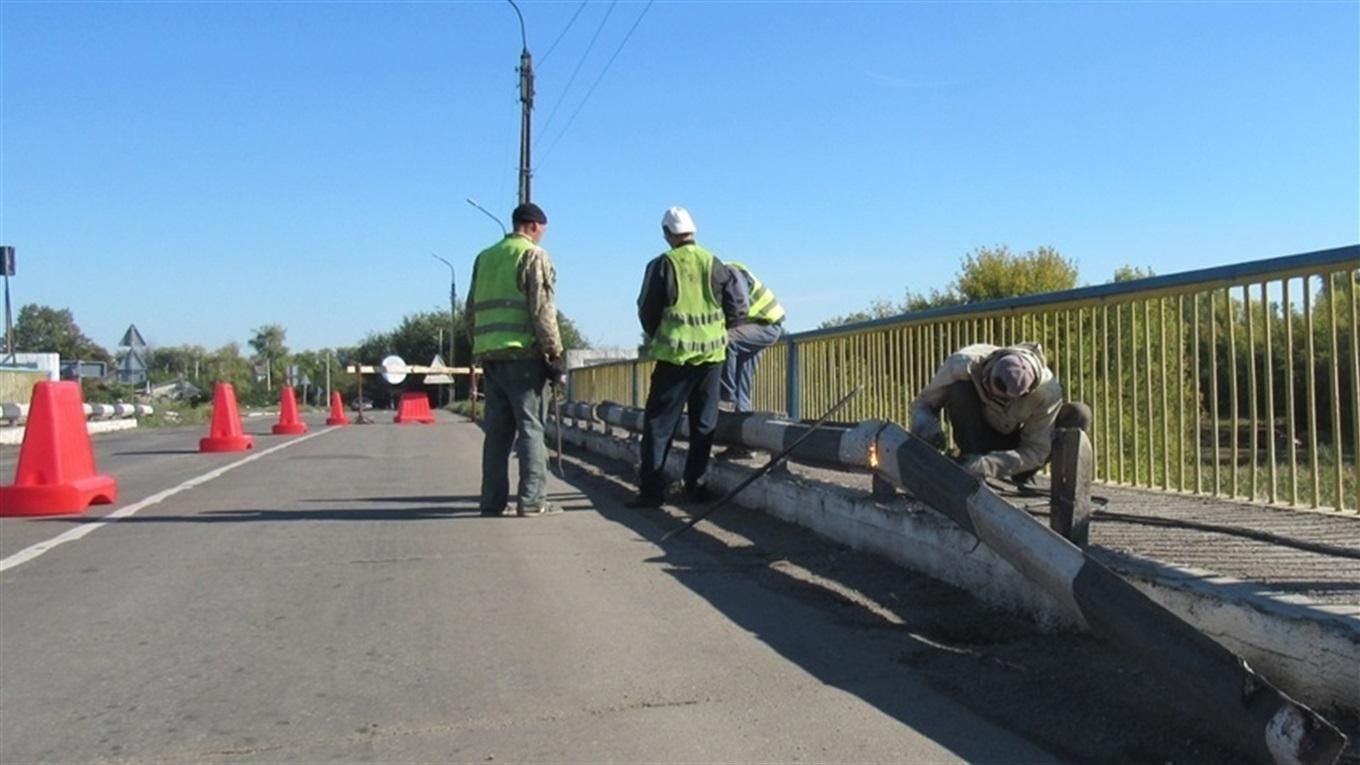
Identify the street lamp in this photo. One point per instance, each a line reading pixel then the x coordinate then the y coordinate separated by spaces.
pixel 487 213
pixel 526 99
pixel 453 302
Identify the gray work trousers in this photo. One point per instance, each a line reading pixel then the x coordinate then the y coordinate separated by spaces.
pixel 514 406
pixel 744 344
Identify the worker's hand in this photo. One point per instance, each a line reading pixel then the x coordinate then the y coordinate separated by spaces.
pixel 978 465
pixel 932 434
pixel 557 370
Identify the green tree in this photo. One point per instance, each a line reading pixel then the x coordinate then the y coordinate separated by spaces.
pixel 572 339
pixel 227 364
pixel 992 273
pixel 986 273
pixel 41 329
pixel 1128 273
pixel 175 361
pixel 268 343
pixel 879 309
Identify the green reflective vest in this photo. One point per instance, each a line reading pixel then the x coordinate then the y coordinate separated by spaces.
pixel 764 308
pixel 693 331
pixel 500 310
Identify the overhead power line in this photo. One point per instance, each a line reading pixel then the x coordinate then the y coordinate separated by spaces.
pixel 593 85
pixel 563 97
pixel 563 33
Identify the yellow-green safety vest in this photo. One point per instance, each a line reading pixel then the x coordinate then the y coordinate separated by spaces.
pixel 764 307
pixel 500 309
pixel 693 331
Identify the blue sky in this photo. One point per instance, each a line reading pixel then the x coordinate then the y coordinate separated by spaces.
pixel 202 169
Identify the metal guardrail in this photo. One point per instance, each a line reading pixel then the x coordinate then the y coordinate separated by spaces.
pixel 1237 382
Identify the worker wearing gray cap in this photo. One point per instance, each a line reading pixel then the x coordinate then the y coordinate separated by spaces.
pixel 513 319
pixel 1003 405
pixel 688 299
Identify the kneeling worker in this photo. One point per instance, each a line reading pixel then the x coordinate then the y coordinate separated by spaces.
pixel 748 337
pixel 688 298
pixel 1003 405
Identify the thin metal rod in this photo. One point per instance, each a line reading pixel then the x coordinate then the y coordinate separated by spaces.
pixel 767 467
pixel 1289 394
pixel 487 213
pixel 557 415
pixel 1339 464
pixel 1251 391
pixel 1270 394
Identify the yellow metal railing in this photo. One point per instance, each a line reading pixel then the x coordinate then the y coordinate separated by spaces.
pixel 1237 382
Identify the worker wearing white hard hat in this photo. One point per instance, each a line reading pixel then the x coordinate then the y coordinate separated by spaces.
pixel 688 298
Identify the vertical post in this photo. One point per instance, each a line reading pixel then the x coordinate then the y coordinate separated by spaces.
pixel 526 99
pixel 637 384
pixel 1070 504
pixel 453 331
pixel 791 390
pixel 7 266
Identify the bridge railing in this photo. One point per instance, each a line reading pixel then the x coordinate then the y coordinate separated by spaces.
pixel 1238 381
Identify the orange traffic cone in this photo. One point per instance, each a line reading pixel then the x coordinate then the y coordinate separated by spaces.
pixel 414 407
pixel 288 424
pixel 338 416
pixel 226 434
pixel 55 474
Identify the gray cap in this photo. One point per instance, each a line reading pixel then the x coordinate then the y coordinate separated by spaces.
pixel 1013 374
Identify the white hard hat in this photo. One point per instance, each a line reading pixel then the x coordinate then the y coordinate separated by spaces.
pixel 677 221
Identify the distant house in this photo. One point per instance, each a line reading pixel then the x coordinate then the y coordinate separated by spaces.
pixel 176 389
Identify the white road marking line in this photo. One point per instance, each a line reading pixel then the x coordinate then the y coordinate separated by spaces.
pixel 29 553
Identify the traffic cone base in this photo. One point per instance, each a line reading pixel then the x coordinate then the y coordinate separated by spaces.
pixel 58 499
pixel 226 443
pixel 55 474
pixel 226 434
pixel 414 407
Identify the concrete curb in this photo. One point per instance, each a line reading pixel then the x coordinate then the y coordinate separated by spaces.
pixel 1302 646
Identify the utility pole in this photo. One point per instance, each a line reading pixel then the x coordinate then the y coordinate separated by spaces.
pixel 526 99
pixel 453 303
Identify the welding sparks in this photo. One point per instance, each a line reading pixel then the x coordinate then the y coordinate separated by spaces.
pixel 873 454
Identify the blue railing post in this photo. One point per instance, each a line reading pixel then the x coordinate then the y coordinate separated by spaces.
pixel 791 380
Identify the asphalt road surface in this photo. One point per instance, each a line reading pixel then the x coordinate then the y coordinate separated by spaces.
pixel 335 597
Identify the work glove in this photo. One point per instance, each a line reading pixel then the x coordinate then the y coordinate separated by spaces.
pixel 978 465
pixel 556 370
pixel 931 434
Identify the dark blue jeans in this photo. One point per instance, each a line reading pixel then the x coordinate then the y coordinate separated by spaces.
pixel 674 387
pixel 744 344
pixel 514 406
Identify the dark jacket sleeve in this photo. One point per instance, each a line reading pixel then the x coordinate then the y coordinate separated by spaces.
pixel 731 293
pixel 655 294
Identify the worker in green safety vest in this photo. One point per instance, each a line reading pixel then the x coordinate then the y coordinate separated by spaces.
pixel 688 298
pixel 747 338
pixel 513 319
